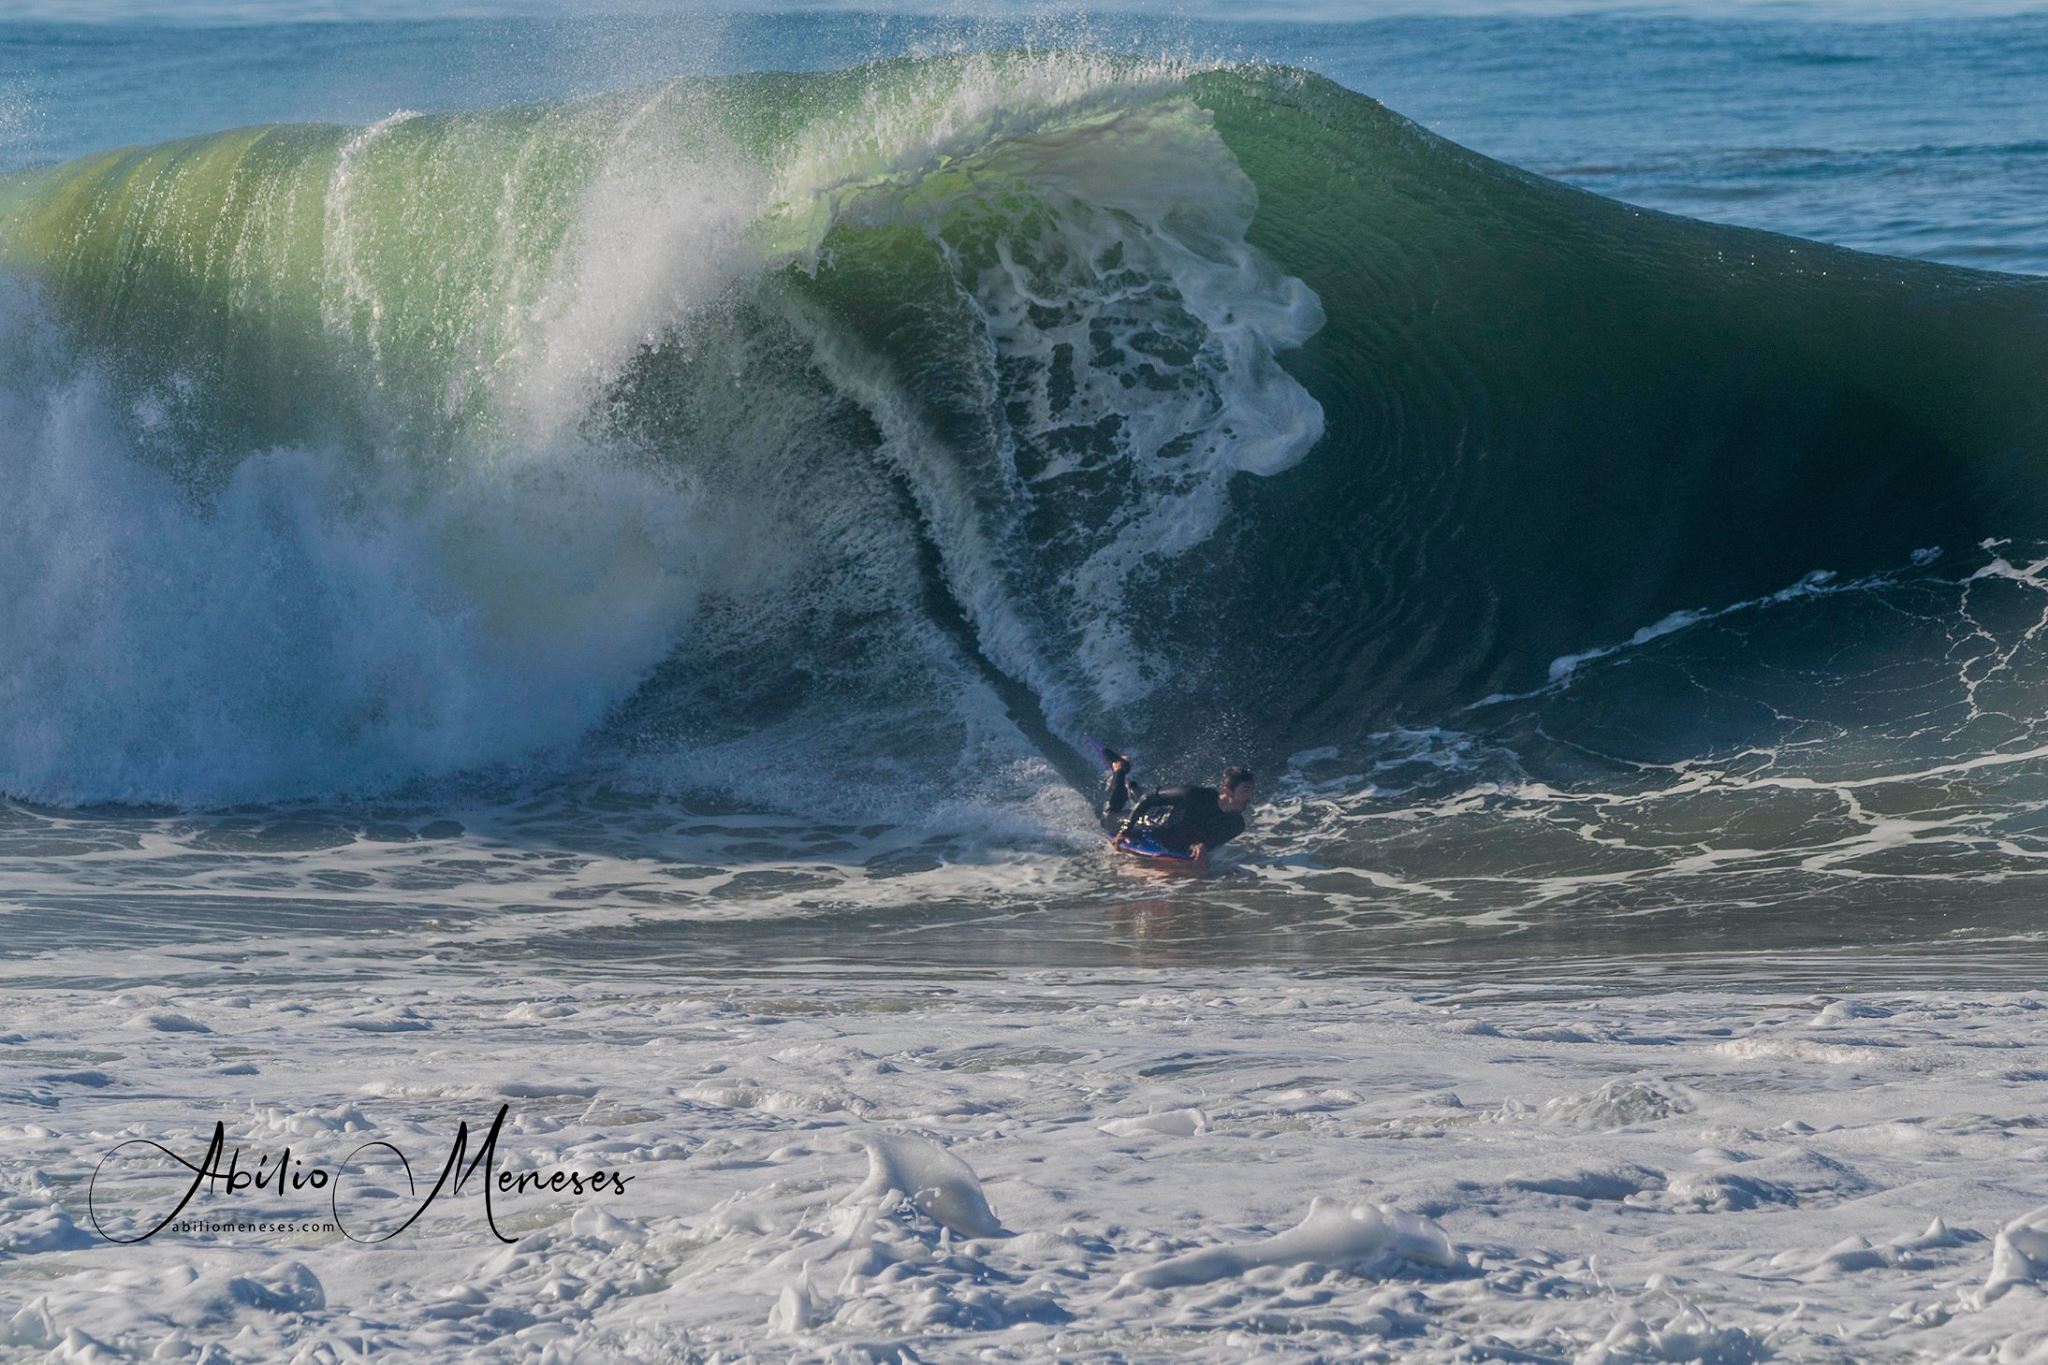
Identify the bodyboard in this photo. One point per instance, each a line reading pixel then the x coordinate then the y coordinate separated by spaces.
pixel 1141 847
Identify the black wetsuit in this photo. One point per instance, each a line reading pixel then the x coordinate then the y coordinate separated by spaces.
pixel 1172 817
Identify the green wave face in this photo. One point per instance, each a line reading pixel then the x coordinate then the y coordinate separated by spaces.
pixel 1196 403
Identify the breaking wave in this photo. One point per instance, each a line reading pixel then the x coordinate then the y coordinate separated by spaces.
pixel 893 427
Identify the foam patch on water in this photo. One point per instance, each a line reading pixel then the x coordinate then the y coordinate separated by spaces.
pixel 936 1182
pixel 822 1165
pixel 1360 1239
pixel 2019 1256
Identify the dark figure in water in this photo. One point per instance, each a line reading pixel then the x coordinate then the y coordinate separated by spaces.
pixel 1185 819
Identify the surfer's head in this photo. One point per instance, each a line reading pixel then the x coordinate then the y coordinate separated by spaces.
pixel 1234 792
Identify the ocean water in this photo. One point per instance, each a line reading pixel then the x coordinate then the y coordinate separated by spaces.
pixel 571 569
pixel 705 482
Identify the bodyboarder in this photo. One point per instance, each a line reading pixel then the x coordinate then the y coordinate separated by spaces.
pixel 1186 821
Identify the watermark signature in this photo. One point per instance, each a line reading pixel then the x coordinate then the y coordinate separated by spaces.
pixel 361 1192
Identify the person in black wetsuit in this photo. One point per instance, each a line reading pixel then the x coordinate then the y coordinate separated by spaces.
pixel 1186 819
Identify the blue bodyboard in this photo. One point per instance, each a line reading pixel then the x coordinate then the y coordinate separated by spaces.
pixel 1142 846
